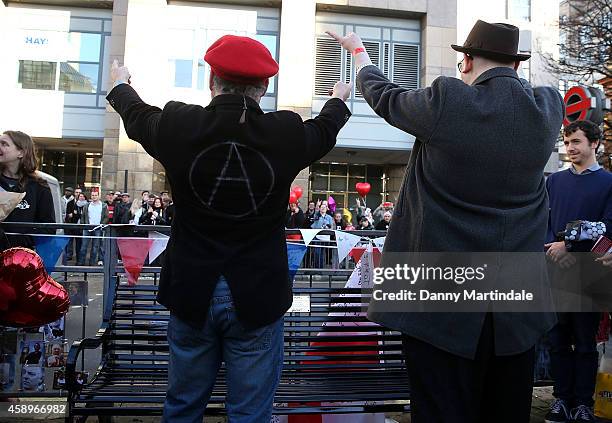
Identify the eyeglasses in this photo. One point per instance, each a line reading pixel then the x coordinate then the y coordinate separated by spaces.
pixel 460 64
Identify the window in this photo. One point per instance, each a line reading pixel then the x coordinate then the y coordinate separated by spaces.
pixel 328 67
pixel 519 10
pixel 37 75
pixel 78 74
pixel 84 47
pixel 78 77
pixel 270 42
pixel 182 73
pixel 406 65
pixel 201 74
pixel 72 168
pixel 526 70
pixel 181 59
pixel 339 179
pixel 398 61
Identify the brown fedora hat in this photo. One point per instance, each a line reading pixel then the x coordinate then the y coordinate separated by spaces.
pixel 498 41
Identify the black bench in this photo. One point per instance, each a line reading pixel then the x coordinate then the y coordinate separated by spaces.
pixel 323 365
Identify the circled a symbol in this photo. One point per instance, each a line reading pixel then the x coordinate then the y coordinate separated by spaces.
pixel 231 179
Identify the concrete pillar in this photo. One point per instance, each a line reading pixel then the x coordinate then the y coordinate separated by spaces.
pixel 110 151
pixel 395 177
pixel 439 30
pixel 121 153
pixel 296 77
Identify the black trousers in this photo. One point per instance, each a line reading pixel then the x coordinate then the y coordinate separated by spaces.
pixel 446 388
pixel 574 357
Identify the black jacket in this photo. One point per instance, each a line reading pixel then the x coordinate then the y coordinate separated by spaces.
pixel 294 221
pixel 230 184
pixel 121 214
pixel 36 206
pixel 148 219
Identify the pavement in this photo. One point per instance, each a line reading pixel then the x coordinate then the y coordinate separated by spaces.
pixel 542 398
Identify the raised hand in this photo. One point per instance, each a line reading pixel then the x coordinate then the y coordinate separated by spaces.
pixel 342 90
pixel 350 41
pixel 119 73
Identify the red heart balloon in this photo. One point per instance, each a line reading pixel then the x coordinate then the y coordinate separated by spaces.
pixel 35 299
pixel 292 197
pixel 362 188
pixel 298 191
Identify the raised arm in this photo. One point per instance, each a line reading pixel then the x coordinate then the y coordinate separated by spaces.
pixel 414 111
pixel 141 121
pixel 321 132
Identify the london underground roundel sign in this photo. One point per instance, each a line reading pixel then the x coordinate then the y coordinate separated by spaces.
pixel 585 103
pixel 578 103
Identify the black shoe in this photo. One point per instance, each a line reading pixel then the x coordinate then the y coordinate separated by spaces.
pixel 582 414
pixel 558 413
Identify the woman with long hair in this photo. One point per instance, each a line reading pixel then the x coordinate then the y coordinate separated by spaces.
pixel 156 215
pixel 136 211
pixel 18 174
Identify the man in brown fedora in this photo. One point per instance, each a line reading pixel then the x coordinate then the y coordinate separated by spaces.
pixel 474 183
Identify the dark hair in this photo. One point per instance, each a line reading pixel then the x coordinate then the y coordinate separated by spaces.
pixel 144 192
pixel 591 130
pixel 28 164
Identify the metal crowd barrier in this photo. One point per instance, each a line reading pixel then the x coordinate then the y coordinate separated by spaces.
pixel 89 288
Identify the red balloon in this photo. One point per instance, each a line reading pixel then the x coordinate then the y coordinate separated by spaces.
pixel 298 191
pixel 362 188
pixel 33 297
pixel 292 197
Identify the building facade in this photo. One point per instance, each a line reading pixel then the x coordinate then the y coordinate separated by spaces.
pixel 58 57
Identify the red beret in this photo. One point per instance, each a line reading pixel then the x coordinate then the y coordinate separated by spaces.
pixel 242 60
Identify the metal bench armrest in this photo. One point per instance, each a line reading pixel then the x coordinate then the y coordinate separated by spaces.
pixel 76 349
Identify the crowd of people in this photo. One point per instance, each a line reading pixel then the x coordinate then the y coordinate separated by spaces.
pixel 319 216
pixel 117 208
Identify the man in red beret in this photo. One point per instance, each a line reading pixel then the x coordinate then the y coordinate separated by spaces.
pixel 225 277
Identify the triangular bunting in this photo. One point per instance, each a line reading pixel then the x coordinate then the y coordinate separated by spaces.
pixel 363 274
pixel 379 242
pixel 308 235
pixel 346 242
pixel 160 242
pixel 50 248
pixel 295 254
pixel 357 252
pixel 133 253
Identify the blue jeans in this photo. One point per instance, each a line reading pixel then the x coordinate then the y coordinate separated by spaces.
pixel 574 357
pixel 97 253
pixel 253 361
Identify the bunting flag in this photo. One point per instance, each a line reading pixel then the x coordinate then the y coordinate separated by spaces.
pixel 160 242
pixel 308 235
pixel 379 242
pixel 50 248
pixel 295 254
pixel 346 242
pixel 361 277
pixel 133 253
pixel 357 252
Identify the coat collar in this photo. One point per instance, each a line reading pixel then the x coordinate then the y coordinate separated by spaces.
pixel 234 101
pixel 494 73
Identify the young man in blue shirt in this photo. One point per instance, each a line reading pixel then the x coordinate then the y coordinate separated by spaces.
pixel 582 192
